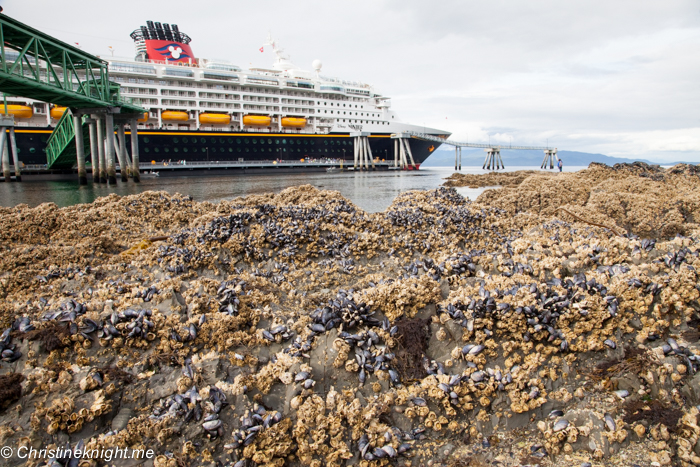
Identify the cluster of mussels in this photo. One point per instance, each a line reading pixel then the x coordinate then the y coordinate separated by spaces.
pixel 10 353
pixel 130 324
pixel 252 423
pixel 228 296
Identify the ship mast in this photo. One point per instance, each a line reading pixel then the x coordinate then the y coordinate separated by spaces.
pixel 282 61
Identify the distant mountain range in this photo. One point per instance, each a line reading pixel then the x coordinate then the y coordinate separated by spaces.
pixel 475 157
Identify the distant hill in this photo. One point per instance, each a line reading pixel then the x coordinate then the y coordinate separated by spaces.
pixel 475 157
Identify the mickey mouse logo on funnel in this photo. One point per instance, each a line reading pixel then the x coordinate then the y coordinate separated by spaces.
pixel 172 52
pixel 175 52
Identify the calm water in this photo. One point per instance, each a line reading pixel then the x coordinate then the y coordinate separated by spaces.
pixel 372 191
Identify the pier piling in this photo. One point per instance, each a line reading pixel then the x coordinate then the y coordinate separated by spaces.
pixel 15 158
pixel 363 154
pixel 135 172
pixel 404 158
pixel 396 152
pixel 354 153
pixel 109 149
pixel 80 149
pixel 362 151
pixel 369 153
pixel 7 143
pixel 550 155
pixel 124 164
pixel 493 160
pixel 94 152
pixel 99 126
pixel 408 151
pixel 402 154
pixel 119 157
pixel 5 155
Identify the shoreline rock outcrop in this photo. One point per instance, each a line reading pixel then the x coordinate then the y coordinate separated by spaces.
pixel 296 329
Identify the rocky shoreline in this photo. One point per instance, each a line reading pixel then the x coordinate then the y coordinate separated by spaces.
pixel 550 322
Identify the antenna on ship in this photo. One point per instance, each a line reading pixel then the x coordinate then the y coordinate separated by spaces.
pixel 282 62
pixel 277 50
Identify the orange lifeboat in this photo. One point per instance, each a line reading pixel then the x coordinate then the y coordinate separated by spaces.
pixel 256 120
pixel 19 111
pixel 293 122
pixel 144 118
pixel 175 116
pixel 215 119
pixel 57 111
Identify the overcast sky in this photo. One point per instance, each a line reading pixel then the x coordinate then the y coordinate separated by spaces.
pixel 621 78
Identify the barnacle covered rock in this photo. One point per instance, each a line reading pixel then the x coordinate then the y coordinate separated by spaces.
pixel 297 329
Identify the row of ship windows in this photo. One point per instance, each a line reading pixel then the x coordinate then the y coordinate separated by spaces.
pixel 254 80
pixel 213 140
pixel 166 92
pixel 225 87
pixel 214 150
pixel 338 104
pixel 237 106
pixel 174 102
pixel 342 144
pixel 209 95
pixel 218 105
pixel 187 84
pixel 361 113
pixel 149 70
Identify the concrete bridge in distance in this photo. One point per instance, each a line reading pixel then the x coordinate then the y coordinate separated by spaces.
pixel 493 160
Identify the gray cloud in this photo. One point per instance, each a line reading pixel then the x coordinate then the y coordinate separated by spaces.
pixel 619 78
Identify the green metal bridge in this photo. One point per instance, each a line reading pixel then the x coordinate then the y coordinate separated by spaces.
pixel 43 68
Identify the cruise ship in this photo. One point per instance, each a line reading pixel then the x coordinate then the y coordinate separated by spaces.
pixel 210 110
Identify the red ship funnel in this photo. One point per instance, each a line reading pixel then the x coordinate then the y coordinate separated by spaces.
pixel 163 42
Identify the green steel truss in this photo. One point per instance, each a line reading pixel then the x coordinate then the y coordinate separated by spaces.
pixel 68 77
pixel 61 152
pixel 37 66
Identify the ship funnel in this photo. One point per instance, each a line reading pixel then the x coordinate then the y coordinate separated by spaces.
pixel 168 33
pixel 159 31
pixel 163 42
pixel 176 33
pixel 151 30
